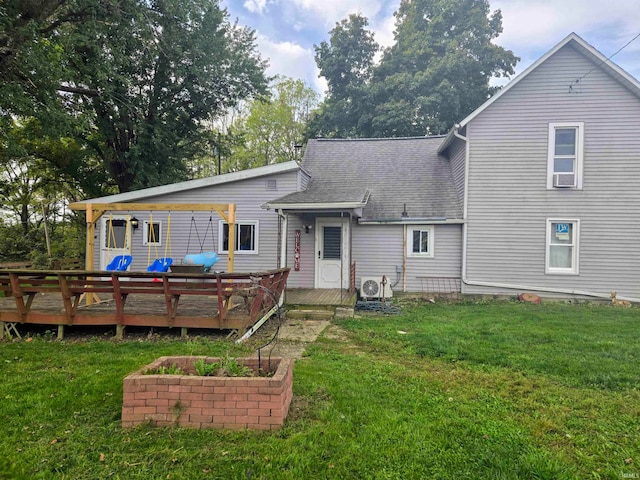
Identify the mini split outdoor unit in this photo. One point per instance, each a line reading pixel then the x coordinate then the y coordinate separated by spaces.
pixel 375 287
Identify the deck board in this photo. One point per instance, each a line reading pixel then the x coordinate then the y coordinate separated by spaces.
pixel 320 296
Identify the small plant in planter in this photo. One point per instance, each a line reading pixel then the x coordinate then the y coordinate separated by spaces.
pixel 226 367
pixel 172 369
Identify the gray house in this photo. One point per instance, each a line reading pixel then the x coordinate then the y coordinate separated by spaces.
pixel 374 208
pixel 548 173
pixel 534 191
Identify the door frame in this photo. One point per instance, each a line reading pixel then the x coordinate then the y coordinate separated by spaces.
pixel 106 254
pixel 345 248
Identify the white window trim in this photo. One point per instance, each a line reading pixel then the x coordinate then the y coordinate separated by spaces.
pixel 221 250
pixel 431 244
pixel 145 231
pixel 575 270
pixel 579 126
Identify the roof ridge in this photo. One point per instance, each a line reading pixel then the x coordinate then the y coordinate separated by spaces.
pixel 374 139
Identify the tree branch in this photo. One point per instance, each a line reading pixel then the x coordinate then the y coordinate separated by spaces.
pixel 89 92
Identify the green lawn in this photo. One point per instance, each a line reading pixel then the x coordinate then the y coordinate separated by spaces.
pixel 456 391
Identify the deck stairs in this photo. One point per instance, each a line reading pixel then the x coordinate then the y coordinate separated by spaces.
pixel 319 304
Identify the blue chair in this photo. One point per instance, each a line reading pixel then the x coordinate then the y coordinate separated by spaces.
pixel 120 263
pixel 206 259
pixel 160 265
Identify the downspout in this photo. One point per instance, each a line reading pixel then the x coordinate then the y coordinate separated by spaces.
pixel 509 286
pixel 342 239
pixel 284 218
pixel 404 259
pixel 465 196
pixel 350 260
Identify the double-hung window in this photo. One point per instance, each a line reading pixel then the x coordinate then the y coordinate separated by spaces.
pixel 246 237
pixel 562 246
pixel 420 241
pixel 565 157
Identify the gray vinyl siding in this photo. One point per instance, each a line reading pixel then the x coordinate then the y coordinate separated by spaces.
pixel 305 277
pixel 457 156
pixel 248 195
pixel 379 250
pixel 304 180
pixel 508 200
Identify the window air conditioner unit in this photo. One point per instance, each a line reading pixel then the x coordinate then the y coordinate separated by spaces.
pixel 375 287
pixel 564 180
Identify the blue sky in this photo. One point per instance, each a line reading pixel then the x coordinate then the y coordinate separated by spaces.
pixel 287 29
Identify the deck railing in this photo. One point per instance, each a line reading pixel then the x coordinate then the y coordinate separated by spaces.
pixel 256 293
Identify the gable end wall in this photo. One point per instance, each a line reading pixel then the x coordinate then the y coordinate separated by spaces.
pixel 509 203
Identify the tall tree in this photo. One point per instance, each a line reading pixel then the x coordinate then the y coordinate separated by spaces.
pixel 346 62
pixel 275 126
pixel 436 73
pixel 439 68
pixel 137 77
pixel 173 65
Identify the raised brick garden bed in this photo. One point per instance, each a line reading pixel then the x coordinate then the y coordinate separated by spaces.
pixel 260 402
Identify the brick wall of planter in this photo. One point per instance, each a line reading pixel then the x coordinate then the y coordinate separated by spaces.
pixel 208 402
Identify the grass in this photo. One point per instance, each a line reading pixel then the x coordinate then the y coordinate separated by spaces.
pixel 471 391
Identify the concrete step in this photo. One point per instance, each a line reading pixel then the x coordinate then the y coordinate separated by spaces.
pixel 320 314
pixel 311 314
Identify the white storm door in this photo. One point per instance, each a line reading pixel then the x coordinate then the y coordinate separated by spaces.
pixel 115 238
pixel 332 255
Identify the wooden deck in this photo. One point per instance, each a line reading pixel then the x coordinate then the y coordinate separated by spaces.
pixel 330 297
pixel 218 301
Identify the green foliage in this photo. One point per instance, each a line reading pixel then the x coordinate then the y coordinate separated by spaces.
pixel 347 63
pixel 205 369
pixel 273 127
pixel 66 237
pixel 436 72
pixel 131 81
pixel 161 69
pixel 226 367
pixel 172 369
pixel 230 367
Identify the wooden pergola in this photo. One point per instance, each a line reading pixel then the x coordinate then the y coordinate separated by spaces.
pixel 95 210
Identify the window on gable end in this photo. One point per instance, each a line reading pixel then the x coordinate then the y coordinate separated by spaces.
pixel 562 247
pixel 565 155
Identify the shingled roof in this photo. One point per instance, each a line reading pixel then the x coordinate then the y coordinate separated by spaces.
pixel 380 176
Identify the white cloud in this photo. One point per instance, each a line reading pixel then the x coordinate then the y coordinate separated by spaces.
pixel 331 11
pixel 290 59
pixel 544 23
pixel 532 27
pixel 383 31
pixel 255 6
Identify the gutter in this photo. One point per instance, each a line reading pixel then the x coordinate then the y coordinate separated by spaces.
pixel 509 286
pixel 413 221
pixel 313 206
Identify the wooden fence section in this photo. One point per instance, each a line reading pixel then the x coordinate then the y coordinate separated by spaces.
pixel 186 300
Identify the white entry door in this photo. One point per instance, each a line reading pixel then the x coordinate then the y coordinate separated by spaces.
pixel 332 253
pixel 115 238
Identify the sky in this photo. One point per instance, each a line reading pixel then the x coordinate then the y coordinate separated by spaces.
pixel 287 30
